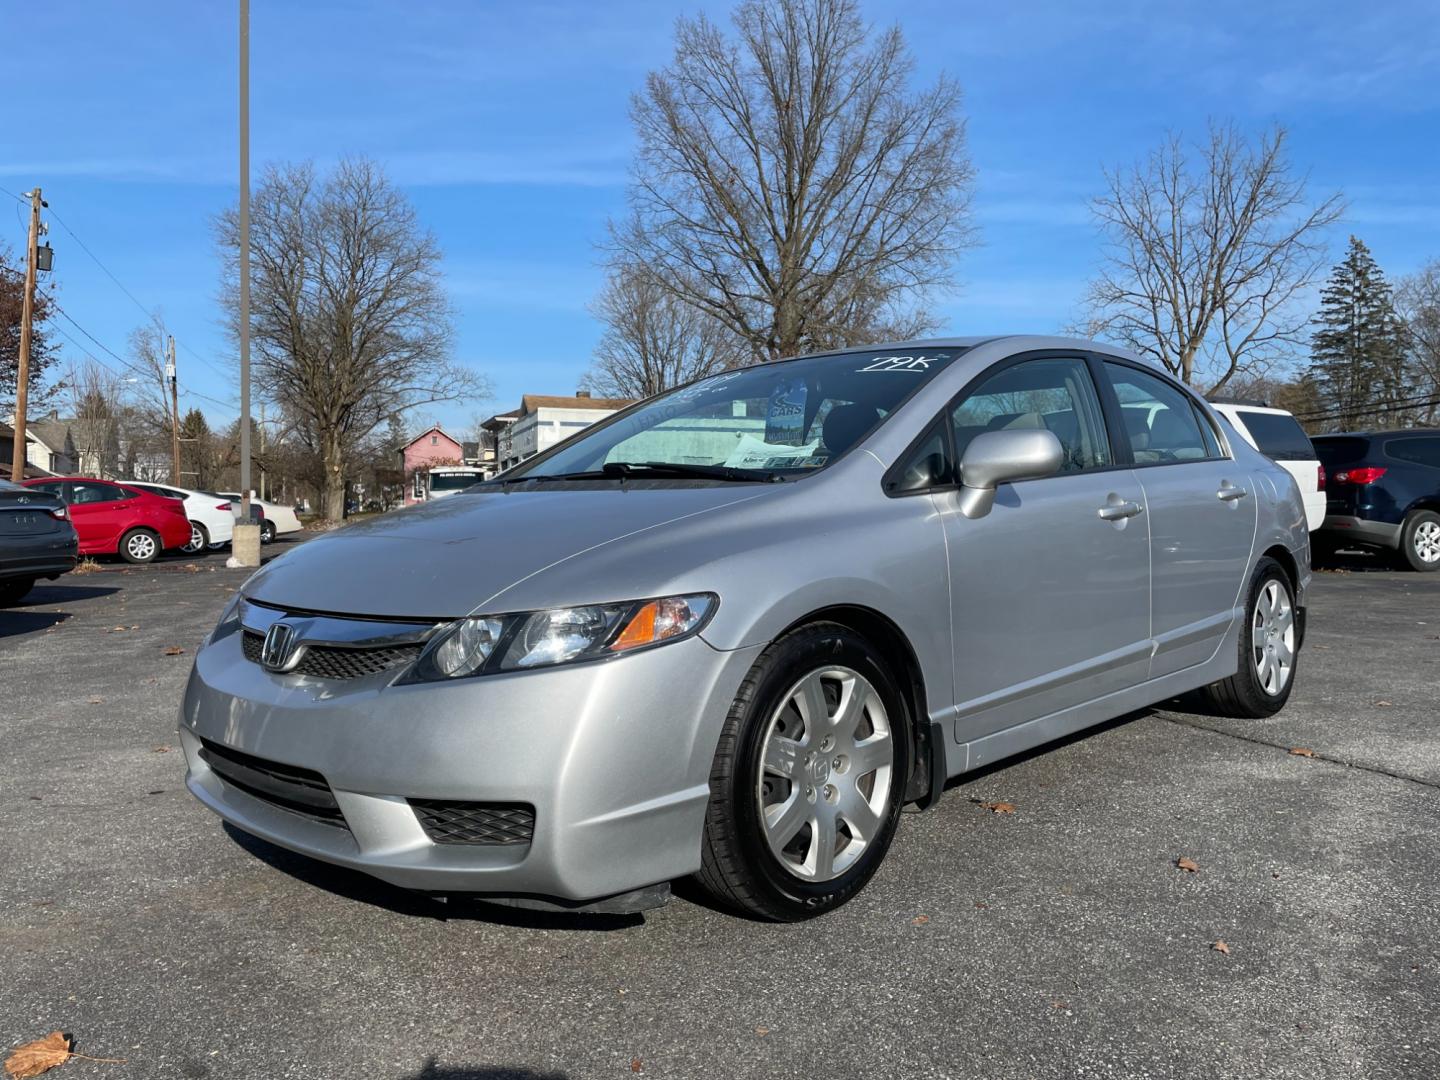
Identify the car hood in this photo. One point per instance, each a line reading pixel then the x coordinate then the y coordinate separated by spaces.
pixel 447 558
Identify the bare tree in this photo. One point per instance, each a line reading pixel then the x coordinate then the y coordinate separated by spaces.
pixel 95 397
pixel 350 322
pixel 1417 297
pixel 653 340
pixel 788 183
pixel 1208 249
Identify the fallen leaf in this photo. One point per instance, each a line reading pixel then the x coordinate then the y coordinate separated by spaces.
pixel 117 630
pixel 762 1030
pixel 166 750
pixel 174 650
pixel 39 1056
pixel 1059 1004
pixel 1383 704
pixel 919 920
pixel 96 701
pixel 1302 751
pixel 1319 646
pixel 998 807
pixel 982 905
pixel 1187 864
pixel 635 1064
pixel 1221 947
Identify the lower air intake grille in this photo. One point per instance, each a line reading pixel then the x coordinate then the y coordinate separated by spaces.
pixel 300 791
pixel 449 822
pixel 327 662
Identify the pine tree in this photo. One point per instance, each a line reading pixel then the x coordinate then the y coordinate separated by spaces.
pixel 197 455
pixel 1357 354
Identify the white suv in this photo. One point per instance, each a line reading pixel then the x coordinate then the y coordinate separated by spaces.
pixel 1279 436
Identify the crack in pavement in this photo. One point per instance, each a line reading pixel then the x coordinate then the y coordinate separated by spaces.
pixel 1316 754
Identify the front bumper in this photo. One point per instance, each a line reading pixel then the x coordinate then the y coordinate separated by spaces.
pixel 614 756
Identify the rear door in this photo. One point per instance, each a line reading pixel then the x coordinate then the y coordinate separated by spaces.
pixel 1201 510
pixel 1050 590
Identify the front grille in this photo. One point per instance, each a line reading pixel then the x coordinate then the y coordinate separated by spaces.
pixel 447 821
pixel 329 662
pixel 300 791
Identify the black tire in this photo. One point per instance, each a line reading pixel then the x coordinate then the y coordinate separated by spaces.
pixel 1242 695
pixel 15 590
pixel 1322 551
pixel 133 548
pixel 267 532
pixel 738 867
pixel 199 539
pixel 1418 539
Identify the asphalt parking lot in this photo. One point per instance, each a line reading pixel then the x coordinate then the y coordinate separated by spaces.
pixel 1060 940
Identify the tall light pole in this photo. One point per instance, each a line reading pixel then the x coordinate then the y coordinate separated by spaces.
pixel 245 545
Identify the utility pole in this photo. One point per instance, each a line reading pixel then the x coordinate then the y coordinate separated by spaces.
pixel 245 545
pixel 174 410
pixel 264 462
pixel 27 315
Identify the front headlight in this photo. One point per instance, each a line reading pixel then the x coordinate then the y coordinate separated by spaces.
pixel 229 619
pixel 483 645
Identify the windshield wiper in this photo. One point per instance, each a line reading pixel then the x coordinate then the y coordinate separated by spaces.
pixel 680 469
pixel 641 470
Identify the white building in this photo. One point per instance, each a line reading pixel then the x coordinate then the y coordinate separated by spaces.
pixel 542 421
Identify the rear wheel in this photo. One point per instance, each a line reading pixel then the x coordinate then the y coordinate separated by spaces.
pixel 1269 647
pixel 199 539
pixel 12 592
pixel 806 786
pixel 139 546
pixel 267 532
pixel 1420 541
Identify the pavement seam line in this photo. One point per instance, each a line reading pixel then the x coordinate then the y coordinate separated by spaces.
pixel 1317 755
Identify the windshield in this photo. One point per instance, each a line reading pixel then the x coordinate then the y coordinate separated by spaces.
pixel 440 481
pixel 791 417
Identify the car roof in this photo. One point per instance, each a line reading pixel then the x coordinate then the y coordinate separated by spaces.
pixel 1377 434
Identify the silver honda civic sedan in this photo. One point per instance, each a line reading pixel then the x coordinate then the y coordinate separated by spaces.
pixel 733 629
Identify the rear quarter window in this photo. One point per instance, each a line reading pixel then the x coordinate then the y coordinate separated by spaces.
pixel 1279 437
pixel 1420 450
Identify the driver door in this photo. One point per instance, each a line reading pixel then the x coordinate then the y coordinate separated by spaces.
pixel 1050 601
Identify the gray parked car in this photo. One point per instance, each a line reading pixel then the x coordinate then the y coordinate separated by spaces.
pixel 37 540
pixel 730 630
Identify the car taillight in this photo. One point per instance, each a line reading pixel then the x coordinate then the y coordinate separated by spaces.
pixel 1366 474
pixel 60 513
pixel 1320 478
pixel 222 506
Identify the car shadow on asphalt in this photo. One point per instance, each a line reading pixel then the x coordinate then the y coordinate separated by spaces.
pixel 364 889
pixel 434 1071
pixel 15 623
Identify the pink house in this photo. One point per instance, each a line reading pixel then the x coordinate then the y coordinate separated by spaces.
pixel 432 447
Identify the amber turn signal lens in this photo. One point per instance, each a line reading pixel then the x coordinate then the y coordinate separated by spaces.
pixel 658 620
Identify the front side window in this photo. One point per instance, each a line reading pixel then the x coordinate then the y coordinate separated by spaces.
pixel 791 417
pixel 1054 394
pixel 82 493
pixel 1161 424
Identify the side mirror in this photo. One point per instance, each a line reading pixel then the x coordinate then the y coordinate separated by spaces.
pixel 1000 457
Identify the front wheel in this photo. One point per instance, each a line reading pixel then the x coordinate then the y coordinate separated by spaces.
pixel 806 786
pixel 1269 647
pixel 139 546
pixel 199 539
pixel 1420 541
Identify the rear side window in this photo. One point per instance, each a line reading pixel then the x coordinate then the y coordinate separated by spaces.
pixel 1422 450
pixel 1160 421
pixel 1279 437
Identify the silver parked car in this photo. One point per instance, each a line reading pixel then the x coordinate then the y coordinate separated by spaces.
pixel 732 629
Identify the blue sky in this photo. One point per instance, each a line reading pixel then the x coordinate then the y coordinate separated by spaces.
pixel 506 124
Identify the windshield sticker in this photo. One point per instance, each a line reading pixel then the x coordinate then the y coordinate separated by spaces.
pixel 753 453
pixel 785 414
pixel 914 365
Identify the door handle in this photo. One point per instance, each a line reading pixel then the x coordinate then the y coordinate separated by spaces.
pixel 1118 511
pixel 1230 492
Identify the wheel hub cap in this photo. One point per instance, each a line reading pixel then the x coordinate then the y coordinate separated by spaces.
pixel 1272 637
pixel 827 764
pixel 1427 541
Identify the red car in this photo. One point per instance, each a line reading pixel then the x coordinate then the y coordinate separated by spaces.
pixel 112 519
